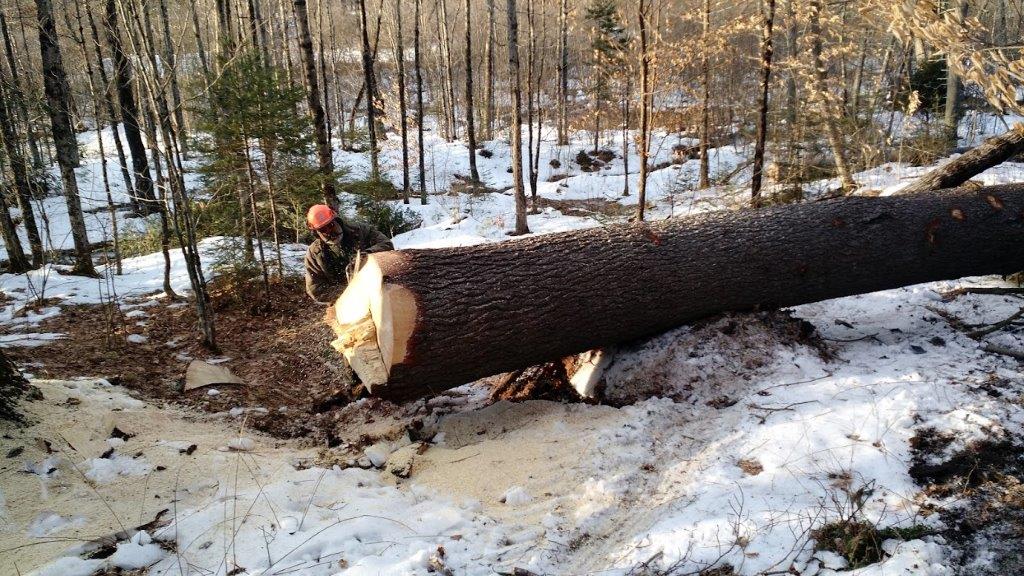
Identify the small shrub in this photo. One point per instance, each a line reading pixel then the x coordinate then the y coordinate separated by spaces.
pixel 604 155
pixel 859 542
pixel 485 153
pixel 554 163
pixel 925 148
pixel 584 160
pixel 237 274
pixel 378 189
pixel 389 219
pixel 141 242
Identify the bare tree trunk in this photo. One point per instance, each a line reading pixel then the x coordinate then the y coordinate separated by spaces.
pixel 129 112
pixel 516 129
pixel 323 144
pixel 531 52
pixel 200 46
pixel 420 152
pixel 325 89
pixel 627 95
pixel 489 80
pixel 400 66
pixel 643 13
pixel 825 99
pixel 57 97
pixel 792 46
pixel 474 174
pixel 371 110
pixel 17 261
pixel 703 177
pixel 187 239
pixel 563 72
pixel 447 69
pixel 19 93
pixel 108 100
pixel 225 30
pixel 171 66
pixel 951 117
pixel 22 183
pixel 858 79
pixel 762 113
pixel 94 92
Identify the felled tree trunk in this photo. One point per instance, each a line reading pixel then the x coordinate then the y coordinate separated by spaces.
pixel 416 322
pixel 991 152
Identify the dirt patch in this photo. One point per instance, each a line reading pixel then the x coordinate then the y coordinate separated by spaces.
pixel 278 345
pixel 545 382
pixel 589 208
pixel 983 507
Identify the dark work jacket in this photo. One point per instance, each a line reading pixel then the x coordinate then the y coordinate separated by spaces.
pixel 328 265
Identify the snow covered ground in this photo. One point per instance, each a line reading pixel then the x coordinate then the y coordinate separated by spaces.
pixel 738 441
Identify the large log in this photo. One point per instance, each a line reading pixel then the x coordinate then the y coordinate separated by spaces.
pixel 415 322
pixel 991 152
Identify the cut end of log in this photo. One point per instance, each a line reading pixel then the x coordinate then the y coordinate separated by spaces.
pixel 374 321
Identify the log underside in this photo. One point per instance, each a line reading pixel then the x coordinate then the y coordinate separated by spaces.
pixel 416 322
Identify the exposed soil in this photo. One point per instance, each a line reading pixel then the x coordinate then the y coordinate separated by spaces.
pixel 287 362
pixel 981 483
pixel 586 208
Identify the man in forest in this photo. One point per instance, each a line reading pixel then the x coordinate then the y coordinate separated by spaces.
pixel 331 258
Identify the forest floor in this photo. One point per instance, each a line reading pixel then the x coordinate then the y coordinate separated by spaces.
pixel 863 433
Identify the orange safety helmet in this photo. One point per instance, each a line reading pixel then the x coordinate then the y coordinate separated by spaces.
pixel 319 215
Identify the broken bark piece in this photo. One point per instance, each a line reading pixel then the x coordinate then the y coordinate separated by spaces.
pixel 448 316
pixel 200 374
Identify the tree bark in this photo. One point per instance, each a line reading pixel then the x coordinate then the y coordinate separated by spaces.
pixel 171 65
pixel 531 55
pixel 992 152
pixel 17 262
pixel 474 174
pixel 516 129
pixel 95 93
pixel 108 101
pixel 400 65
pixel 825 100
pixel 447 69
pixel 368 79
pixel 489 79
pixel 145 200
pixel 316 109
pixel 22 183
pixel 563 72
pixel 19 93
pixel 420 152
pixel 703 177
pixel 762 110
pixel 646 97
pixel 619 283
pixel 951 117
pixel 58 97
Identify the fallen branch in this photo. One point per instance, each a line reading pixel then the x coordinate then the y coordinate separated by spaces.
pixel 977 334
pixel 953 294
pixel 997 349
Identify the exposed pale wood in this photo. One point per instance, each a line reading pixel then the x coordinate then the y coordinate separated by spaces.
pixel 201 374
